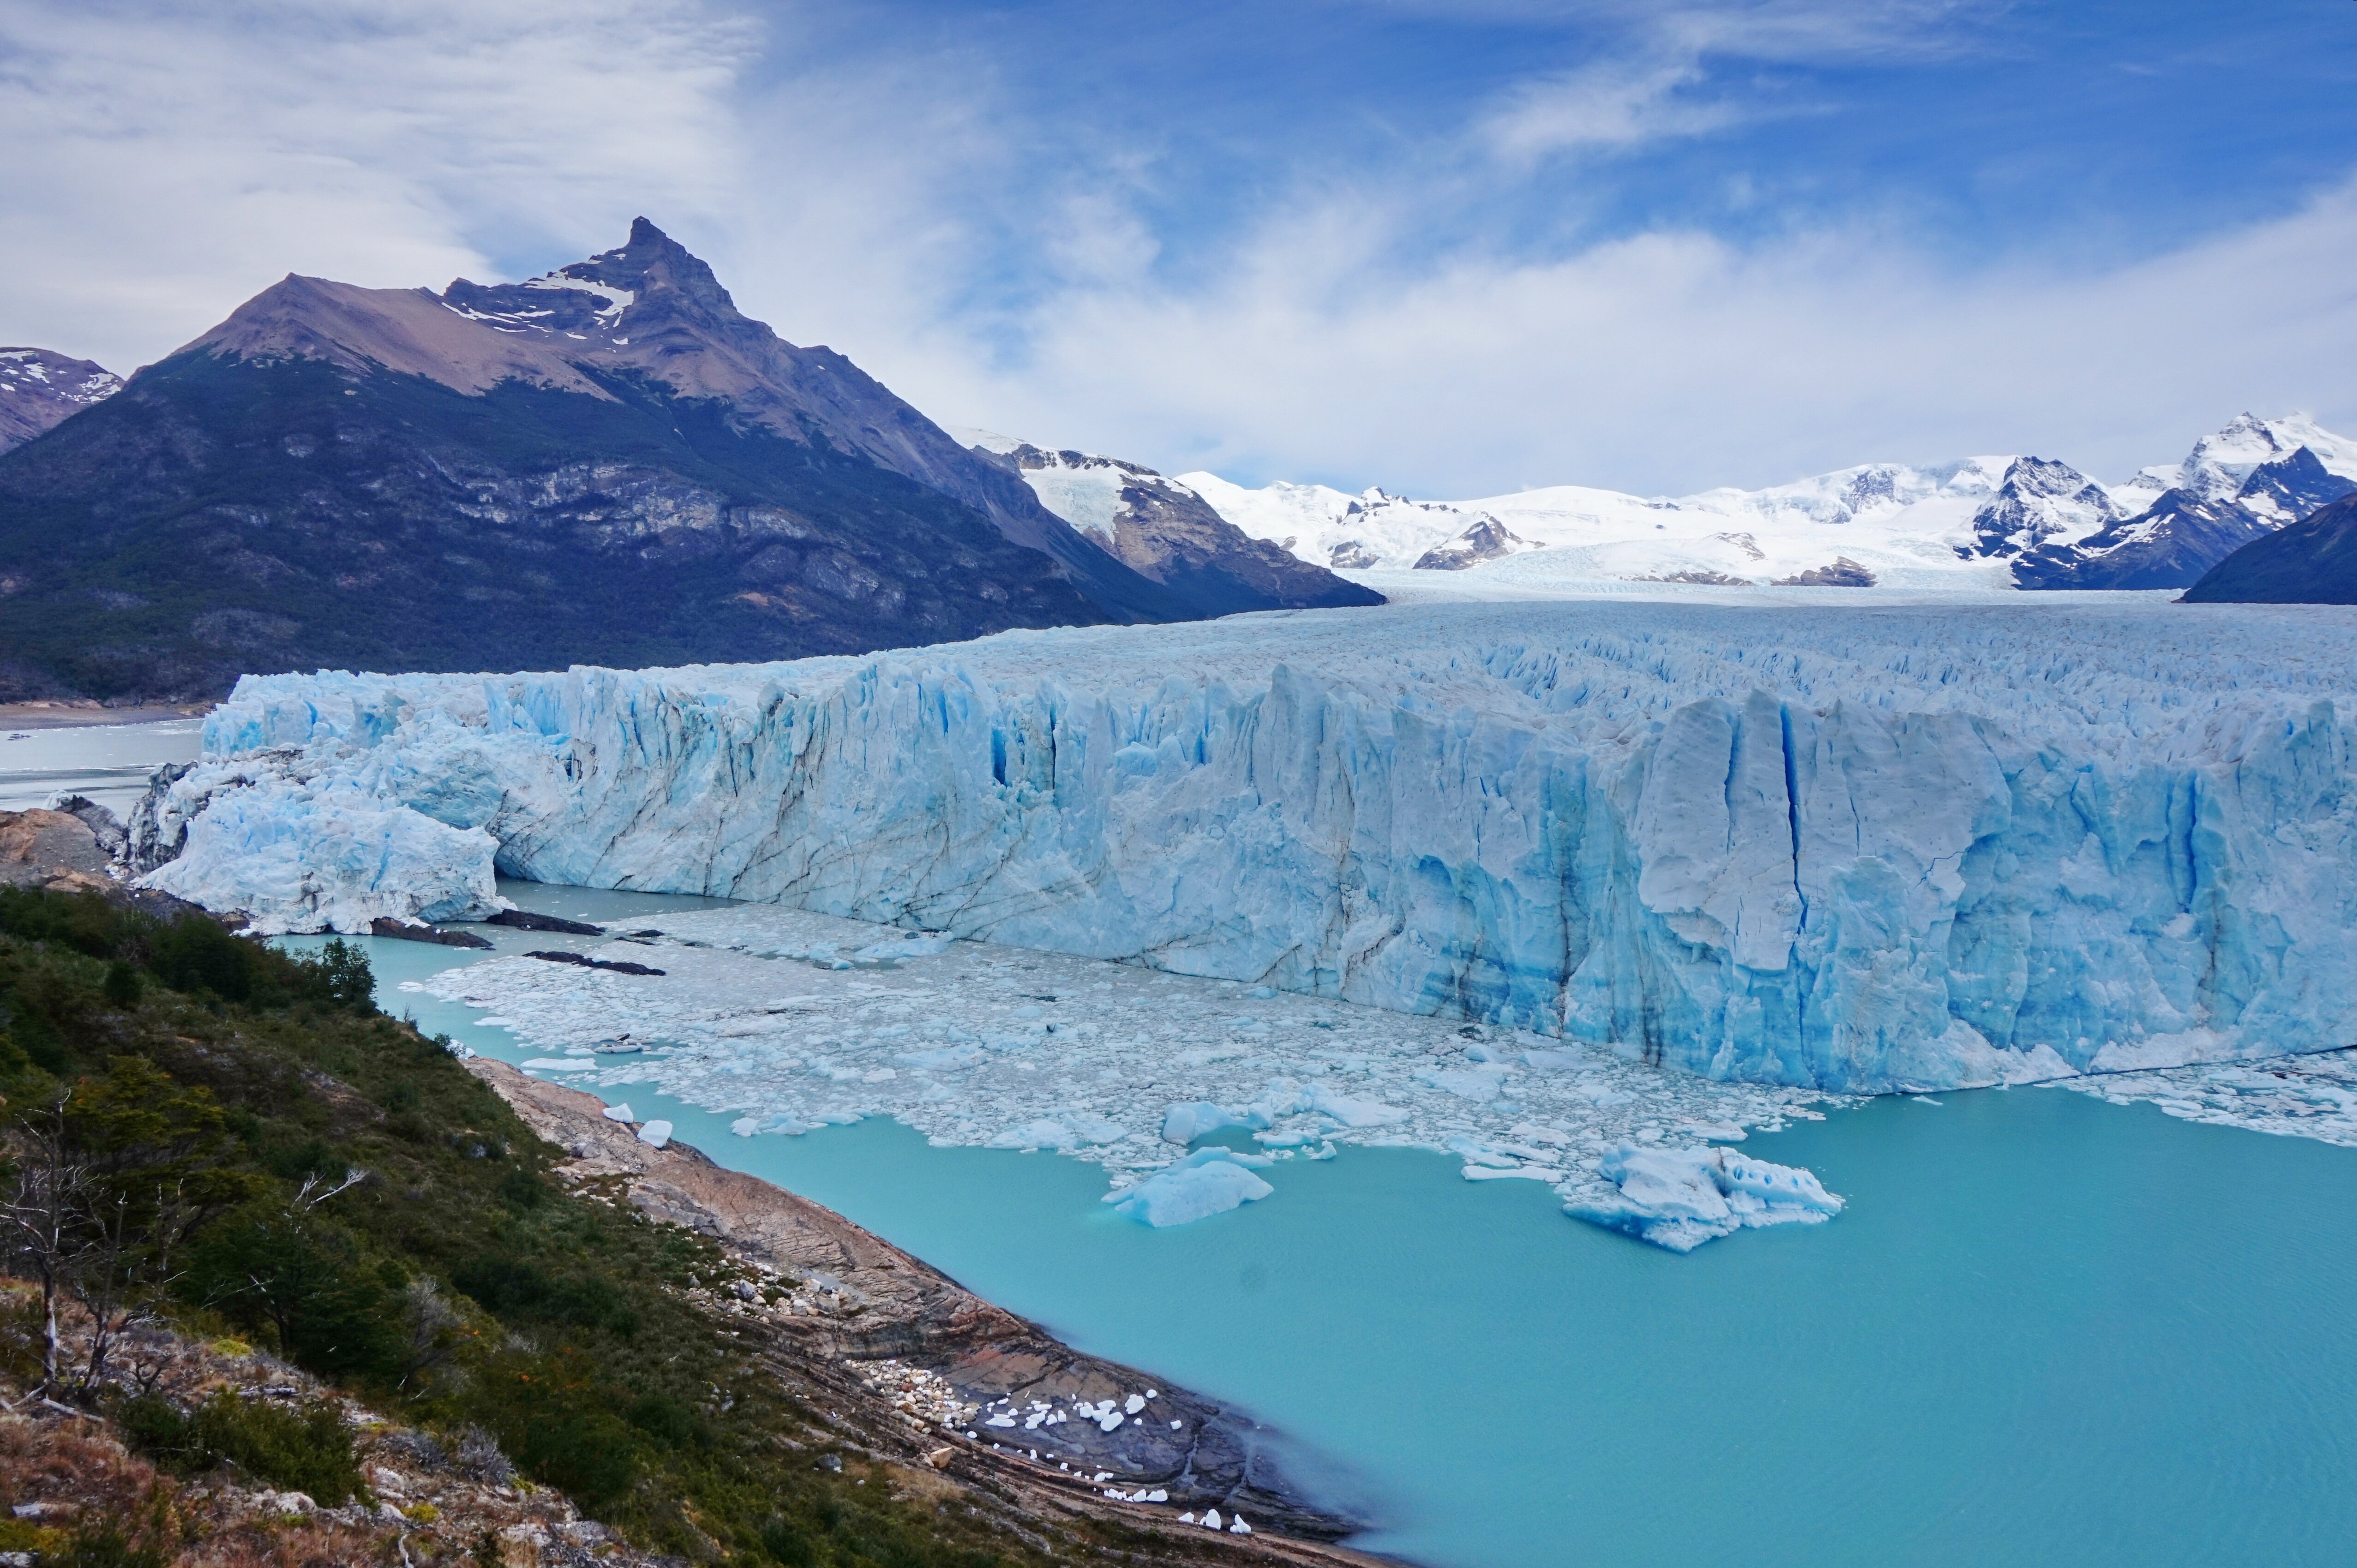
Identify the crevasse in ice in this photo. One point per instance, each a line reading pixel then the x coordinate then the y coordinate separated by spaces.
pixel 1901 845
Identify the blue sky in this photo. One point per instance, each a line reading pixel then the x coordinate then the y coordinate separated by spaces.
pixel 1450 249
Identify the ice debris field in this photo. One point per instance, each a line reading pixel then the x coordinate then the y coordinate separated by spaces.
pixel 795 1020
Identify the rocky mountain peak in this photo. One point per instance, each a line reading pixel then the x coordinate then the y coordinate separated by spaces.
pixel 39 387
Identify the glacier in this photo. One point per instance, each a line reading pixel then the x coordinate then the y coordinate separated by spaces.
pixel 1904 843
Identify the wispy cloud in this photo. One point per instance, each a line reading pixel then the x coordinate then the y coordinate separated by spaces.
pixel 174 155
pixel 1006 261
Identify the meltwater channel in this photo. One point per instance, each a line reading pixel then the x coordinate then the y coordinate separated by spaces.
pixel 2046 1330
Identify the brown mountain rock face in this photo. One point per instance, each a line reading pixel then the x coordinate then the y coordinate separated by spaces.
pixel 39 388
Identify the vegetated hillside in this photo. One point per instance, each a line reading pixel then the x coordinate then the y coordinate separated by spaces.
pixel 238 1143
pixel 608 464
pixel 2313 562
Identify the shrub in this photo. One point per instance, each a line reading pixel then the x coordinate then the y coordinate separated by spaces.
pixel 307 1450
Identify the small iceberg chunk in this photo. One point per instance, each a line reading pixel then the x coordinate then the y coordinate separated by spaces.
pixel 1352 1113
pixel 1194 1118
pixel 1208 1182
pixel 1679 1198
pixel 655 1135
pixel 619 1114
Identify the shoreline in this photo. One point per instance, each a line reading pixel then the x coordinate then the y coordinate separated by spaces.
pixel 86 714
pixel 885 1332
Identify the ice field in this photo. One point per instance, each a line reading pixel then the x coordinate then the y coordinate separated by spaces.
pixel 789 1021
pixel 1878 845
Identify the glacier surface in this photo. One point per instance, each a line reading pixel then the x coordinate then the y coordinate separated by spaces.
pixel 1924 844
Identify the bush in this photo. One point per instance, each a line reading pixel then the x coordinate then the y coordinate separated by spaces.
pixel 307 1450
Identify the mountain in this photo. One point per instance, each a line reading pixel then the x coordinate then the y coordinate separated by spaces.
pixel 2241 484
pixel 39 388
pixel 2312 562
pixel 608 464
pixel 1166 532
pixel 2003 522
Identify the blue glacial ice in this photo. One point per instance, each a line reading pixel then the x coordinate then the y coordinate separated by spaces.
pixel 1858 850
pixel 1679 1198
pixel 1207 1182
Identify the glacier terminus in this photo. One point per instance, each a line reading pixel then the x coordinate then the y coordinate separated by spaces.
pixel 1908 845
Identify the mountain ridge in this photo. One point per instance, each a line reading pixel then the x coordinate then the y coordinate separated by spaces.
pixel 605 464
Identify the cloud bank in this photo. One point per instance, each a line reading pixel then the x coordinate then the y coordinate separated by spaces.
pixel 908 198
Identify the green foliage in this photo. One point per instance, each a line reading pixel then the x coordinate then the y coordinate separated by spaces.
pixel 306 1450
pixel 305 1281
pixel 444 1284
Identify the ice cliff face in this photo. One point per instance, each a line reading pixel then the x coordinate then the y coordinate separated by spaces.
pixel 1856 849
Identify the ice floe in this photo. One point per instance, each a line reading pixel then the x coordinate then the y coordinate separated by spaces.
pixel 1679 1198
pixel 980 1044
pixel 2304 1096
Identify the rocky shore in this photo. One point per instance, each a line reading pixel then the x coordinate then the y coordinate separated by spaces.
pixel 927 1374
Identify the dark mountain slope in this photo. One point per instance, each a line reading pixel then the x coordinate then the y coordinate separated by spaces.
pixel 2313 562
pixel 220 515
pixel 614 468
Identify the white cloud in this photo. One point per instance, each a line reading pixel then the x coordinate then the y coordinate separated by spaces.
pixel 1670 361
pixel 1611 105
pixel 172 160
pixel 902 205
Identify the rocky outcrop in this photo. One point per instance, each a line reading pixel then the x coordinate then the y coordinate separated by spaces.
pixel 1484 538
pixel 1841 572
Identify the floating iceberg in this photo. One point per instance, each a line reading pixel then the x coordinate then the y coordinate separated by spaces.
pixel 1207 1182
pixel 1859 850
pixel 1679 1198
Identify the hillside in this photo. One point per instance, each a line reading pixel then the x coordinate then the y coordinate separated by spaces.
pixel 2313 562
pixel 304 1250
pixel 610 463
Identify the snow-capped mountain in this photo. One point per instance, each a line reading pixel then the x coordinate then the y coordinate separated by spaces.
pixel 1987 521
pixel 1163 531
pixel 39 387
pixel 608 464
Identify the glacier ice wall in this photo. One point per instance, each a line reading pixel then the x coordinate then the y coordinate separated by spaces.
pixel 1857 849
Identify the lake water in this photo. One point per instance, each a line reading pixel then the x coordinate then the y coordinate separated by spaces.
pixel 109 763
pixel 2046 1331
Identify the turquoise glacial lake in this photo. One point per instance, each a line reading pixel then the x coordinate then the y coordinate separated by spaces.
pixel 2046 1331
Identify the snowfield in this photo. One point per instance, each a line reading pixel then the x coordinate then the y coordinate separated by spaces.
pixel 1896 844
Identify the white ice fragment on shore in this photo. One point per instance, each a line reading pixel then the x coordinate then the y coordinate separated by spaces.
pixel 1679 1198
pixel 1133 1405
pixel 620 1112
pixel 655 1135
pixel 1208 1182
pixel 1239 1527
